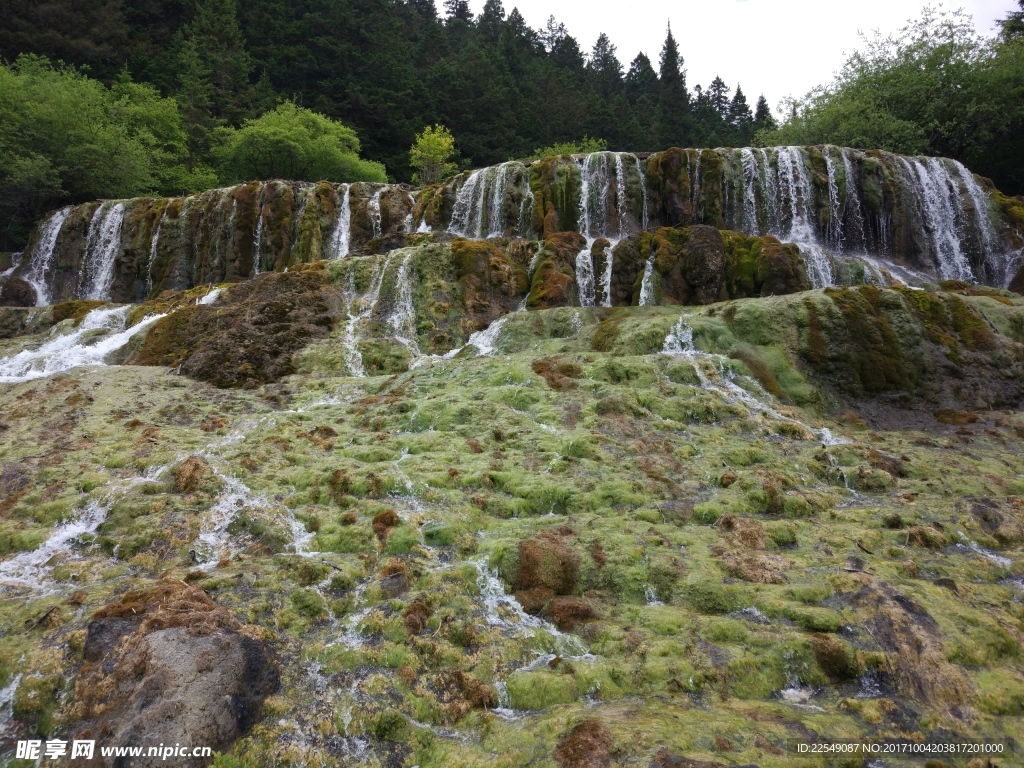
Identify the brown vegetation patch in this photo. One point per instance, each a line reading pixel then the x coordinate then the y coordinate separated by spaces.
pixel 588 745
pixel 250 336
pixel 189 474
pixel 558 372
pixel 569 612
pixel 918 660
pixel 749 532
pixel 415 617
pixel 835 657
pixel 546 567
pixel 756 567
pixel 385 522
pixel 924 536
pixel 664 759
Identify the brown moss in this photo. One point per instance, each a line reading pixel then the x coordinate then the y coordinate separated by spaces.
pixel 75 310
pixel 588 745
pixel 756 567
pixel 546 567
pixel 569 612
pixel 558 372
pixel 836 659
pixel 749 532
pixel 189 474
pixel 817 345
pixel 925 536
pixel 415 617
pixel 385 522
pixel 760 370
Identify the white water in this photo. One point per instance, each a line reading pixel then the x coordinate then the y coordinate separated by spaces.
pixel 373 211
pixel 257 238
pixel 470 193
pixel 103 244
pixel 33 569
pixel 41 259
pixel 341 237
pixel 679 343
pixel 647 283
pixel 940 217
pixel 350 342
pixel 7 704
pixel 152 253
pixel 403 319
pixel 585 276
pixel 101 332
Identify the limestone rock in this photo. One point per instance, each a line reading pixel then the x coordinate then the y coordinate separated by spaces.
pixel 15 292
pixel 168 665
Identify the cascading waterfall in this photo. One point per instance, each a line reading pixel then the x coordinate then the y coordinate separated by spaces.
pixel 102 245
pixel 464 202
pixel 373 210
pixel 679 343
pixel 341 236
pixel 485 205
pixel 152 253
pixel 101 332
pixel 940 218
pixel 403 319
pixel 41 258
pixel 647 283
pixel 367 303
pixel 257 238
pixel 600 174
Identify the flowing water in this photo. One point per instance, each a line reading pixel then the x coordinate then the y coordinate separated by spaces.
pixel 342 235
pixel 103 244
pixel 40 261
pixel 101 332
pixel 716 376
pixel 373 211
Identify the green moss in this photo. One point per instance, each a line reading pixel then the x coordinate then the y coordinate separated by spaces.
pixel 541 690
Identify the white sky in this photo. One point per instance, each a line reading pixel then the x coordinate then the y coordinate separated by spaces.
pixel 776 47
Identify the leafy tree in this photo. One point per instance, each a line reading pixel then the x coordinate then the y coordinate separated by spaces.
pixel 66 138
pixel 673 98
pixel 293 143
pixel 584 146
pixel 432 155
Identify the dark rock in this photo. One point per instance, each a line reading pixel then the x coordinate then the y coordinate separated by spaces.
pixel 15 292
pixel 703 264
pixel 168 665
pixel 394 585
pixel 1017 283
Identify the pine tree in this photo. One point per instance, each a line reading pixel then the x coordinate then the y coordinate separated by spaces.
pixel 552 34
pixel 1013 24
pixel 673 98
pixel 490 20
pixel 763 119
pixel 641 80
pixel 718 97
pixel 458 10
pixel 606 67
pixel 740 116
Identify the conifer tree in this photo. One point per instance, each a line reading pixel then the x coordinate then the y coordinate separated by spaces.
pixel 718 97
pixel 763 119
pixel 458 9
pixel 740 117
pixel 673 98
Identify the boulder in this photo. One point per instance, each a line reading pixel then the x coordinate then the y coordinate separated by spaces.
pixel 168 665
pixel 1017 283
pixel 15 292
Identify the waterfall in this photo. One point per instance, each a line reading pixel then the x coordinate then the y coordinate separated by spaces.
pixel 679 343
pixel 498 189
pixel 102 246
pixel 585 276
pixel 751 178
pixel 645 217
pixel 403 319
pixel 341 236
pixel 647 284
pixel 1000 271
pixel 797 185
pixel 350 342
pixel 101 332
pixel 463 211
pixel 257 238
pixel 152 253
pixel 41 258
pixel 695 190
pixel 936 192
pixel 852 213
pixel 835 222
pixel 373 211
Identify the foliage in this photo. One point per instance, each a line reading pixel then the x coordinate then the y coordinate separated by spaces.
pixel 65 137
pixel 583 146
pixel 431 155
pixel 933 88
pixel 290 142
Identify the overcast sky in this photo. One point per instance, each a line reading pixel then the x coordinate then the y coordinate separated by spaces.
pixel 776 47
